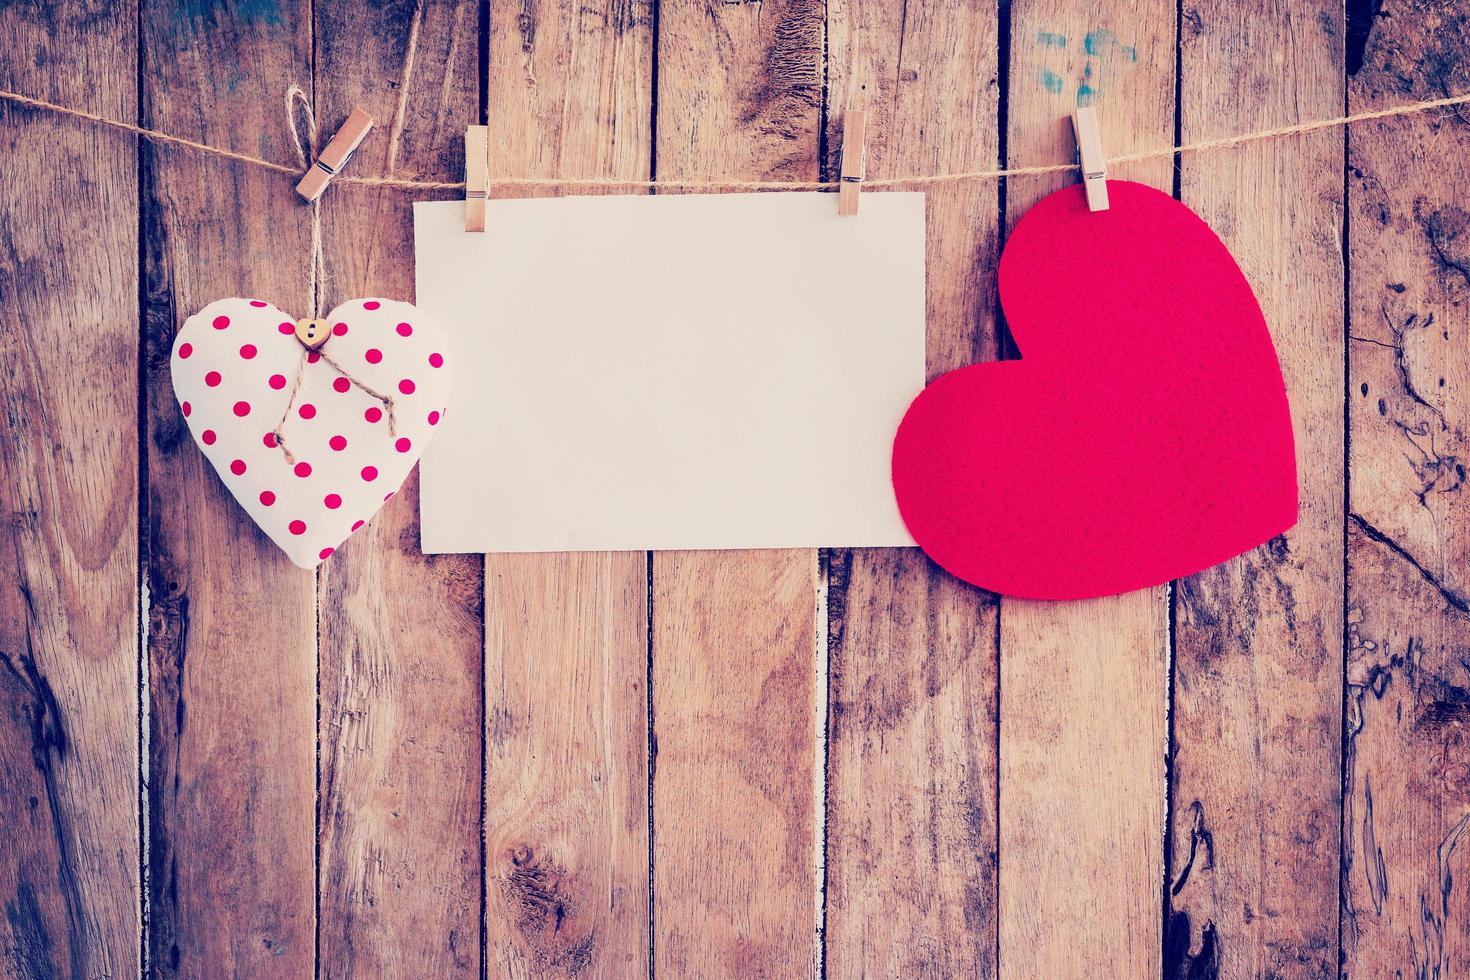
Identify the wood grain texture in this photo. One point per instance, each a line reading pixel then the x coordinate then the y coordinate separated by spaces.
pixel 735 656
pixel 927 869
pixel 69 697
pixel 1083 684
pixel 566 698
pixel 1406 847
pixel 231 622
pixel 734 828
pixel 566 819
pixel 401 633
pixel 912 751
pixel 1258 666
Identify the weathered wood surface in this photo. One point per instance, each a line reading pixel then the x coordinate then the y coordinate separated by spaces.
pixel 231 622
pixel 400 633
pixel 566 662
pixel 1258 640
pixel 69 675
pixel 1083 684
pixel 911 726
pixel 725 764
pixel 1406 821
pixel 734 634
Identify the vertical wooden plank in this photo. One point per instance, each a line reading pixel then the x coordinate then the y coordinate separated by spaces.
pixel 911 808
pixel 566 822
pixel 734 633
pixel 401 633
pixel 232 623
pixel 69 874
pixel 1083 685
pixel 1406 849
pixel 566 698
pixel 734 823
pixel 1258 668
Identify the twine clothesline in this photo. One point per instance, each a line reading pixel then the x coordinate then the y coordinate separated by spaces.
pixel 912 180
pixel 297 102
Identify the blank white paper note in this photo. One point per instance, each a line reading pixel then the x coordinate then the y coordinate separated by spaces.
pixel 683 371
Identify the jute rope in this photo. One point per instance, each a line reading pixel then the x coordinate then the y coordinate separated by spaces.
pixel 298 105
pixel 913 180
pixel 297 101
pixel 305 154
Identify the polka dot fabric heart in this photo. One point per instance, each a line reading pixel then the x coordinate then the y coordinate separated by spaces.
pixel 311 463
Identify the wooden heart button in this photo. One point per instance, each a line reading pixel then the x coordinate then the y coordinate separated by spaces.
pixel 313 333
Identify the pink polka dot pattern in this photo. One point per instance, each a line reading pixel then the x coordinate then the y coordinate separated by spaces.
pixel 236 366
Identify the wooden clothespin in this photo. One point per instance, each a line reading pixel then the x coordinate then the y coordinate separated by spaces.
pixel 476 176
pixel 1090 153
pixel 854 160
pixel 335 156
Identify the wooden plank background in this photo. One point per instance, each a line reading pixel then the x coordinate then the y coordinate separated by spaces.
pixel 740 763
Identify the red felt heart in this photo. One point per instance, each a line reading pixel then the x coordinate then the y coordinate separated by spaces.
pixel 1143 436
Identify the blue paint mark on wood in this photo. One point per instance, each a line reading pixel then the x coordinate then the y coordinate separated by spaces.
pixel 1103 53
pixel 212 13
pixel 1096 41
